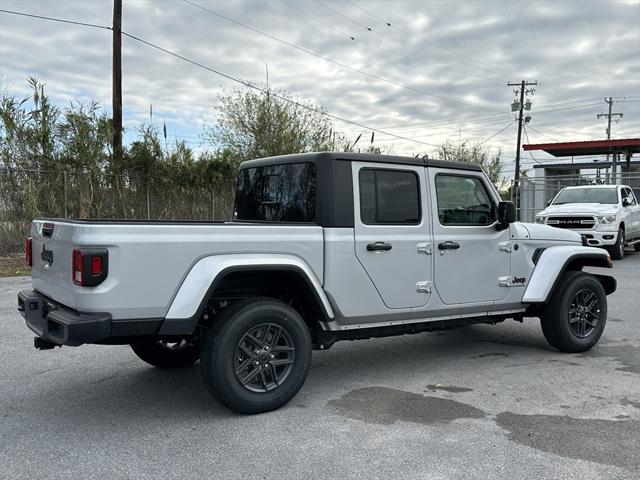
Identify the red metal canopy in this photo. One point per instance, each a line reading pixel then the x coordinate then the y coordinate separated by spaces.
pixel 626 146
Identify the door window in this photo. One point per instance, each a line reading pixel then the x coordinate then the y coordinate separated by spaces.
pixel 628 199
pixel 463 200
pixel 389 197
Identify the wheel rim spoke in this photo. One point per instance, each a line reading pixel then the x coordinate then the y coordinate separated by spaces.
pixel 584 313
pixel 281 362
pixel 264 357
pixel 251 375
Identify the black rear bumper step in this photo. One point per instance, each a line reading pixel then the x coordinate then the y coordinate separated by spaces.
pixel 57 324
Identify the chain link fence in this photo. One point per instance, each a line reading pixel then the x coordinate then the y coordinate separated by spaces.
pixel 28 194
pixel 535 193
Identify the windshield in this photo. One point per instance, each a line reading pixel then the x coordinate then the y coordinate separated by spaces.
pixel 587 195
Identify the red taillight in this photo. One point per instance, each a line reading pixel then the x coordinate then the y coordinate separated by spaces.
pixel 78 267
pixel 96 265
pixel 90 266
pixel 28 259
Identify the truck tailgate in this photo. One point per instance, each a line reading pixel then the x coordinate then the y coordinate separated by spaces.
pixel 52 246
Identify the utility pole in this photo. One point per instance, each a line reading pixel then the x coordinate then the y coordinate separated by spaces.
pixel 116 88
pixel 614 166
pixel 521 106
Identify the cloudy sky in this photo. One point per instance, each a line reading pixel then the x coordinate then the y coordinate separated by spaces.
pixel 438 72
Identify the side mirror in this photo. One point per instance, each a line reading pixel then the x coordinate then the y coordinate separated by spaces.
pixel 506 213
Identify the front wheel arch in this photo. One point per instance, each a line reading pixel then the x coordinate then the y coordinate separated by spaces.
pixel 539 292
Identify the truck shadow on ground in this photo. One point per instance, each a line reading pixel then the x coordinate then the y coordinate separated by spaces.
pixel 131 391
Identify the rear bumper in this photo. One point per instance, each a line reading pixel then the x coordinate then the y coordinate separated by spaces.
pixel 60 325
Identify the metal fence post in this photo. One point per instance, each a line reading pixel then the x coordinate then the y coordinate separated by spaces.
pixel 148 203
pixel 213 205
pixel 64 174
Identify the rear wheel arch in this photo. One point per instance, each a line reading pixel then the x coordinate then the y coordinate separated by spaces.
pixel 287 283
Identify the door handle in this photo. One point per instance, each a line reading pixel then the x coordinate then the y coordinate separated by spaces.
pixel 448 246
pixel 377 246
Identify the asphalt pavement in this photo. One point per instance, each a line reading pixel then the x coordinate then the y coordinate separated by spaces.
pixel 481 402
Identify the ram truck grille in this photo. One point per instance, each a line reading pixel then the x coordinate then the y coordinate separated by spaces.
pixel 580 223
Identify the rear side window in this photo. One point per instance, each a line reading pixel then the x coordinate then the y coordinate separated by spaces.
pixel 627 195
pixel 389 197
pixel 277 193
pixel 463 200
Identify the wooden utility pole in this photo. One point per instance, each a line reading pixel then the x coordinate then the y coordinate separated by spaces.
pixel 117 83
pixel 614 166
pixel 523 89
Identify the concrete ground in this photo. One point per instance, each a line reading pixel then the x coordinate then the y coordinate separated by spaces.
pixel 481 402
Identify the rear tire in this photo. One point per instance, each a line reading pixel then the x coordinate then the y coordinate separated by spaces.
pixel 575 317
pixel 636 247
pixel 617 250
pixel 163 354
pixel 256 356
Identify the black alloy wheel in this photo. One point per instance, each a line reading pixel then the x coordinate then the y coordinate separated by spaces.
pixel 584 313
pixel 264 357
pixel 575 316
pixel 256 355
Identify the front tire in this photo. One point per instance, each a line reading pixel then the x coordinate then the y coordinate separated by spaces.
pixel 574 319
pixel 256 356
pixel 162 354
pixel 617 250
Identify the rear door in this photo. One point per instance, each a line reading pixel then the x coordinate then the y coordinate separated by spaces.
pixel 392 231
pixel 472 258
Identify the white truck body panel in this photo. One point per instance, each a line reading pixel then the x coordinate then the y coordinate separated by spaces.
pixel 149 261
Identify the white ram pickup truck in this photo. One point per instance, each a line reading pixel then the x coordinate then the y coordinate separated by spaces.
pixel 323 247
pixel 605 215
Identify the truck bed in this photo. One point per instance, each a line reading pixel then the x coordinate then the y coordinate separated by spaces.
pixel 148 260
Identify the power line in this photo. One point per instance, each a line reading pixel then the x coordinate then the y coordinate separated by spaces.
pixel 232 78
pixel 498 133
pixel 495 73
pixel 326 24
pixel 526 134
pixel 276 95
pixel 539 132
pixel 576 107
pixel 335 62
pixel 42 17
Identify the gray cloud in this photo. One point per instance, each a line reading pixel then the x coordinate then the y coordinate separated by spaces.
pixel 579 51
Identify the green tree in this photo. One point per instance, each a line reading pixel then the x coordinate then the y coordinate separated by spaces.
pixel 252 124
pixel 466 151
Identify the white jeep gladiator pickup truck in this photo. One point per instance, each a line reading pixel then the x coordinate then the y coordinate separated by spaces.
pixel 605 215
pixel 323 247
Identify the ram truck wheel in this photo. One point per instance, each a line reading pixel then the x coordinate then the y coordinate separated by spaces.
pixel 574 318
pixel 636 246
pixel 617 250
pixel 163 354
pixel 256 356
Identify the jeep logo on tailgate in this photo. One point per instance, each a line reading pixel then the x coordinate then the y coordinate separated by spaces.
pixel 46 255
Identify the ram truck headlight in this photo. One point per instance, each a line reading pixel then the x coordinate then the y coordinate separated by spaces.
pixel 540 218
pixel 607 219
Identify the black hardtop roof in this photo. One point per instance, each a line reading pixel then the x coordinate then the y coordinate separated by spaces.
pixel 359 157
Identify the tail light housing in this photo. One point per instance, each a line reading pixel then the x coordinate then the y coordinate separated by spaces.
pixel 28 252
pixel 89 266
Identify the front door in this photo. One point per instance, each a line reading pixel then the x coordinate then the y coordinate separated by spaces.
pixel 392 231
pixel 472 257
